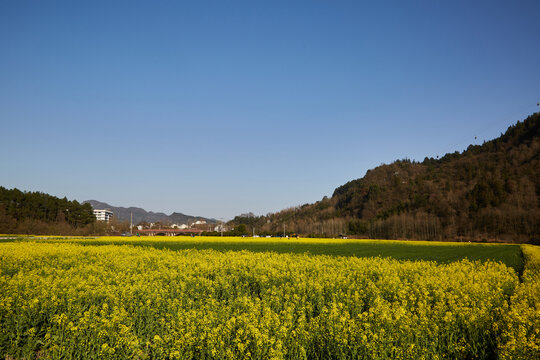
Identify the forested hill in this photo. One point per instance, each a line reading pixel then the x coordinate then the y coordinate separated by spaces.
pixel 40 213
pixel 487 192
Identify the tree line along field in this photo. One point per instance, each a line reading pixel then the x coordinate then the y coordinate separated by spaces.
pixel 94 298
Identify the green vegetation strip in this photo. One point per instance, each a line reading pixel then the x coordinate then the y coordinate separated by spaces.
pixel 441 252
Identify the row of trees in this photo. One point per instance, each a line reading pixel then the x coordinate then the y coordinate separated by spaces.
pixel 43 207
pixel 42 214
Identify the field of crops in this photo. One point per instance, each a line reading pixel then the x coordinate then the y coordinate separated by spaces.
pixel 73 299
pixel 441 252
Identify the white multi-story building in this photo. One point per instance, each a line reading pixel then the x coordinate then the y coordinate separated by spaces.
pixel 103 215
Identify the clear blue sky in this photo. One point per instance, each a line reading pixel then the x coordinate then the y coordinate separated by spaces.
pixel 223 107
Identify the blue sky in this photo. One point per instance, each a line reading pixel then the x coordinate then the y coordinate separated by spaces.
pixel 215 108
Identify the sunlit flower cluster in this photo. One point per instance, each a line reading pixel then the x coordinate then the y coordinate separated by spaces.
pixel 521 336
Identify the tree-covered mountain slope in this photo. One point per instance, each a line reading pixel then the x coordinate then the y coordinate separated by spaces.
pixel 488 191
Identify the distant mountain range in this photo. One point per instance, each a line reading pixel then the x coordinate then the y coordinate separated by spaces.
pixel 139 214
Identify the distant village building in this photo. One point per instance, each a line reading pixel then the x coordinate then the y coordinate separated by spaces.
pixel 220 227
pixel 103 215
pixel 200 222
pixel 183 226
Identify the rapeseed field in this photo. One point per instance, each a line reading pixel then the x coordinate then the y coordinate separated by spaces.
pixel 441 252
pixel 68 300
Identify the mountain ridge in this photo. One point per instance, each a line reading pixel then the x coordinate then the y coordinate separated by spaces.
pixel 489 191
pixel 140 214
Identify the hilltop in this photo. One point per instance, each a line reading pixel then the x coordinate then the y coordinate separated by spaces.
pixel 487 192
